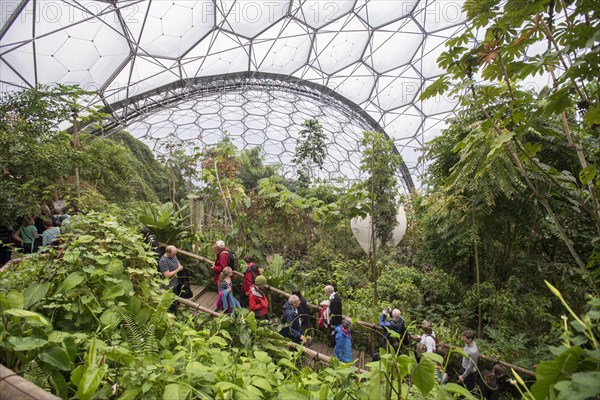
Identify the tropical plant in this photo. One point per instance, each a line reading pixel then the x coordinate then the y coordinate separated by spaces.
pixel 311 151
pixel 253 169
pixel 523 126
pixel 36 154
pixel 381 164
pixel 574 373
pixel 165 222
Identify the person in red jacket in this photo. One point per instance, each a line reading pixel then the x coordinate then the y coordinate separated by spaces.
pixel 258 299
pixel 250 275
pixel 221 261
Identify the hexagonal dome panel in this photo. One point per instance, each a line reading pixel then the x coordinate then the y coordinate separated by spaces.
pixel 185 71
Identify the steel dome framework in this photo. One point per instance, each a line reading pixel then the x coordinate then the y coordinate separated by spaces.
pixel 189 72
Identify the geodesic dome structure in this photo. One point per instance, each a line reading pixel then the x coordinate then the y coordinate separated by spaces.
pixel 190 72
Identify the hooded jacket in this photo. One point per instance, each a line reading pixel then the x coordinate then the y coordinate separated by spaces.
pixel 258 301
pixel 343 345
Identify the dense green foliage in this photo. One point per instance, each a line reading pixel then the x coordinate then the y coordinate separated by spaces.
pixel 35 153
pixel 511 201
pixel 513 193
pixel 38 158
pixel 381 165
pixel 91 322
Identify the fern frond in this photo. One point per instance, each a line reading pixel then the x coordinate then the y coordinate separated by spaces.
pixel 34 374
pixel 150 342
pixel 132 331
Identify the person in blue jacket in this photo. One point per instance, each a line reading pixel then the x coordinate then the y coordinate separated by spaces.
pixel 343 342
pixel 292 328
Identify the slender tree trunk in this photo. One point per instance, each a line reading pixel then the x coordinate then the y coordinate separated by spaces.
pixel 171 177
pixel 77 147
pixel 477 278
pixel 226 203
pixel 373 241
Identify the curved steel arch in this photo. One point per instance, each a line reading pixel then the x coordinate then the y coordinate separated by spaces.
pixel 144 104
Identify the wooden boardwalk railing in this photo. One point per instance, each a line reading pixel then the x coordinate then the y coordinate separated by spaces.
pixel 368 324
pixel 204 301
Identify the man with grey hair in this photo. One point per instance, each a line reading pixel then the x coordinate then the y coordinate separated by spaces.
pixel 335 311
pixel 396 324
pixel 169 266
pixel 293 329
pixel 221 261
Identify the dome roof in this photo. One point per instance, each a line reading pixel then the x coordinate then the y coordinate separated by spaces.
pixel 189 72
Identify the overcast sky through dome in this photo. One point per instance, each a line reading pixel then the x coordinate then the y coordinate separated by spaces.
pixel 376 55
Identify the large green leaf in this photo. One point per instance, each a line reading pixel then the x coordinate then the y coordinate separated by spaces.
pixel 459 389
pixel 31 317
pixel 583 385
pixel 90 380
pixel 375 383
pixel 71 281
pixel 436 358
pixel 110 318
pixel 405 364
pixel 56 356
pixel 84 239
pixel 195 369
pixel 176 391
pixel 15 299
pixel 587 174
pixel 26 343
pixel 262 356
pixel 112 292
pixel 592 116
pixel 71 256
pixel 262 383
pixel 131 393
pixel 549 373
pixel 424 376
pixel 34 293
pixel 58 382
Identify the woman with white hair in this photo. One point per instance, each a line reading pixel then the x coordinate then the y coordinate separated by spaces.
pixel 221 261
pixel 291 320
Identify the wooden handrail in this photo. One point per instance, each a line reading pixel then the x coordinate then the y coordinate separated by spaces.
pixel 310 352
pixel 367 324
pixel 13 386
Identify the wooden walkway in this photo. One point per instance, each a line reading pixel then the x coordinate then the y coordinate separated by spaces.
pixel 208 299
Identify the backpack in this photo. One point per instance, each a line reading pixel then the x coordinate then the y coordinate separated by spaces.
pixel 252 270
pixel 401 330
pixel 321 321
pixel 233 262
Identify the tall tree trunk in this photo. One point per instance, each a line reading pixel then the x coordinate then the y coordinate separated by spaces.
pixel 373 241
pixel 477 278
pixel 77 147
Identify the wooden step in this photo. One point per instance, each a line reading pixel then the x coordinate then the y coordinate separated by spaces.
pixel 197 291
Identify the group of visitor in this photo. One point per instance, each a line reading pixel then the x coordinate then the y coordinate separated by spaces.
pixel 33 233
pixel 297 320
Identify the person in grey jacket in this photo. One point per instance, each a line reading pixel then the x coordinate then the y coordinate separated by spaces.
pixel 468 371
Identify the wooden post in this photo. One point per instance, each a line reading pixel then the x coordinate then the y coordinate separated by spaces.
pixel 197 216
